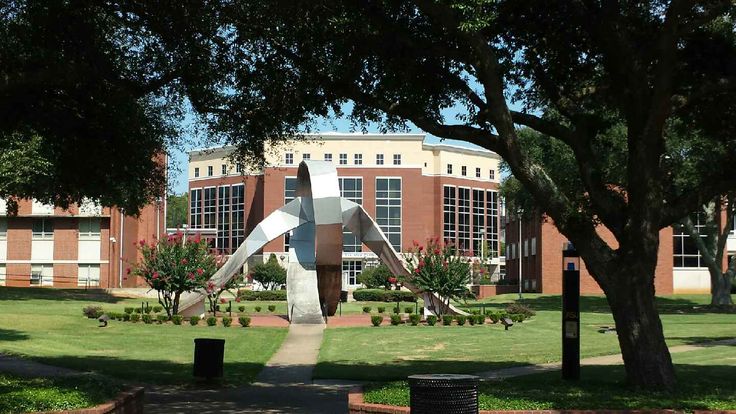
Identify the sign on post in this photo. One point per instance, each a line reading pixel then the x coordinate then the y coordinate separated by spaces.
pixel 570 313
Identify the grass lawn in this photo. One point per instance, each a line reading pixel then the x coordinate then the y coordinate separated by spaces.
pixel 47 325
pixel 601 388
pixel 46 394
pixel 393 352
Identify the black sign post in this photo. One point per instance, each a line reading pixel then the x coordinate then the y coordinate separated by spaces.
pixel 570 313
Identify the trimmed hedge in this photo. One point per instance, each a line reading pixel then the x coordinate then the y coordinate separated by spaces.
pixel 376 320
pixel 251 295
pixel 381 295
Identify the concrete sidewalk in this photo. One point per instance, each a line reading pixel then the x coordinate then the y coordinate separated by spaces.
pixel 28 368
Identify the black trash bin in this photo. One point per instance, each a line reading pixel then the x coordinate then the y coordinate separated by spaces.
pixel 208 357
pixel 343 296
pixel 443 393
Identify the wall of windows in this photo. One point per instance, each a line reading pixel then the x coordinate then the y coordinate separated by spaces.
pixel 350 270
pixel 352 189
pixel 210 207
pixel 223 219
pixel 492 222
pixel 221 208
pixel 195 208
pixel 238 215
pixel 479 216
pixel 388 209
pixel 463 219
pixel 685 252
pixel 449 204
pixel 459 210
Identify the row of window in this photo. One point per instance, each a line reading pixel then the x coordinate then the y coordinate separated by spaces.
pixel 464 172
pixel 43 228
pixel 43 275
pixel 458 208
pixel 224 170
pixel 342 158
pixel 528 248
pixel 221 208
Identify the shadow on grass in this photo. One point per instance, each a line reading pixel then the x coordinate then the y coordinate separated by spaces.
pixel 599 304
pixel 12 335
pixel 152 371
pixel 400 369
pixel 36 293
pixel 704 341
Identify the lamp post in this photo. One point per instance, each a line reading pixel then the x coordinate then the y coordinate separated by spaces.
pixel 520 251
pixel 570 313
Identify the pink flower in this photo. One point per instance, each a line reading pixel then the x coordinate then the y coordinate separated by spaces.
pixel 184 261
pixel 436 251
pixel 222 300
pixel 190 275
pixel 415 243
pixel 416 270
pixel 421 248
pixel 142 242
pixel 155 275
pixel 127 271
pixel 392 280
pixel 237 299
pixel 200 271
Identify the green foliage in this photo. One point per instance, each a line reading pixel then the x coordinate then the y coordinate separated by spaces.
pixel 128 310
pixel 211 321
pixel 271 308
pixel 194 320
pixel 244 321
pixel 396 309
pixel 257 308
pixel 375 277
pixel 157 309
pixel 366 309
pixel 263 295
pixel 227 321
pixel 177 319
pixel 92 312
pixel 521 309
pixel 161 318
pixel 431 320
pixel 461 319
pixel 126 317
pixel 147 319
pixel 447 320
pixel 479 319
pixel 395 319
pixel 380 295
pixel 471 319
pixel 135 317
pixel 409 309
pixel 138 310
pixel 414 319
pixel 381 309
pixel 177 210
pixel 270 274
pixel 376 320
pixel 241 308
pixel 516 317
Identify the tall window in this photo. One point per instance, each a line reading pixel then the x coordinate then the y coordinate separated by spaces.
pixel 448 210
pixel 479 215
pixel 289 194
pixel 379 159
pixel 195 208
pixel 210 171
pixel 3 228
pixel 328 157
pixel 196 172
pixel 686 252
pixel 343 159
pixel 43 229
pixel 388 209
pixel 492 174
pixel 477 172
pixel 223 168
pixel 306 156
pixel 463 171
pixel 463 219
pixel 239 168
pixel 238 215
pixel 223 219
pixel 397 159
pixel 352 268
pixel 449 168
pixel 42 275
pixel 492 222
pixel 210 207
pixel 352 189
pixel 358 159
pixel 89 228
pixel 288 158
pixel 88 275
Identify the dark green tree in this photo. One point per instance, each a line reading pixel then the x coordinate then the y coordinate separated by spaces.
pixel 376 277
pixel 271 275
pixel 177 209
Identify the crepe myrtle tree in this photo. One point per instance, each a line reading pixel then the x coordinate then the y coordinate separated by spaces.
pixel 438 268
pixel 573 71
pixel 215 292
pixel 172 266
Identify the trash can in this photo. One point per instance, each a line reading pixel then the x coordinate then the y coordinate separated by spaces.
pixel 443 393
pixel 343 296
pixel 208 357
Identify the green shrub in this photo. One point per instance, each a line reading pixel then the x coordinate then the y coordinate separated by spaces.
pixel 244 321
pixel 480 319
pixel 271 308
pixel 241 308
pixel 194 320
pixel 135 317
pixel 447 320
pixel 409 309
pixel 270 274
pixel 92 312
pixel 517 317
pixel 471 319
pixel 375 277
pixel 126 317
pixel 461 319
pixel 263 295
pixel 381 309
pixel 148 309
pixel 162 318
pixel 211 321
pixel 227 321
pixel 366 309
pixel 494 316
pixel 431 320
pixel 147 318
pixel 414 319
pixel 520 309
pixel 258 308
pixel 376 320
pixel 380 295
pixel 176 319
pixel 129 310
pixel 395 319
pixel 157 309
pixel 111 315
pixel 398 296
pixel 396 309
pixel 138 310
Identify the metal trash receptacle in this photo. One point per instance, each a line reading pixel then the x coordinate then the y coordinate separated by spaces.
pixel 208 357
pixel 343 296
pixel 443 393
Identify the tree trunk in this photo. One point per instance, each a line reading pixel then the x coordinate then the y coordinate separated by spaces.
pixel 646 357
pixel 175 306
pixel 720 289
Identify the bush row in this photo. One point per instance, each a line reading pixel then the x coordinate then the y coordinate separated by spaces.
pixel 381 295
pixel 447 320
pixel 270 295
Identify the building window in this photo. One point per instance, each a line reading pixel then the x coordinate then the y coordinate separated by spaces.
pixel 210 207
pixel 463 219
pixel 89 275
pixel 328 157
pixel 210 171
pixel 358 159
pixel 463 171
pixel 343 159
pixel 480 247
pixel 3 273
pixel 492 223
pixel 195 208
pixel 89 228
pixel 224 169
pixel 42 275
pixel 223 220
pixel 289 158
pixel 534 246
pixel 350 270
pixel 196 172
pixel 492 174
pixel 289 194
pixel 449 168
pixel 388 209
pixel 379 159
pixel 43 229
pixel 352 189
pixel 477 173
pixel 685 250
pixel 448 208
pixel 238 215
pixel 3 228
pixel 525 245
pixel 397 159
pixel 306 156
pixel 239 168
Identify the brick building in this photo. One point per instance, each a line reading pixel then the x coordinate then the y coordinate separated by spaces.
pixel 679 265
pixel 414 190
pixel 84 246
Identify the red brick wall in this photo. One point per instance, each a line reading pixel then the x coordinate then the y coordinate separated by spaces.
pixel 19 248
pixel 66 246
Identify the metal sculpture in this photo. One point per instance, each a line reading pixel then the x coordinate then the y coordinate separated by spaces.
pixel 317 216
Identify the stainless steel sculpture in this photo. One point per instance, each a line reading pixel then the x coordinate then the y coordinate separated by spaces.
pixel 317 216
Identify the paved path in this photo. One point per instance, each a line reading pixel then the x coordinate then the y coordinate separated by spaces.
pixel 28 368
